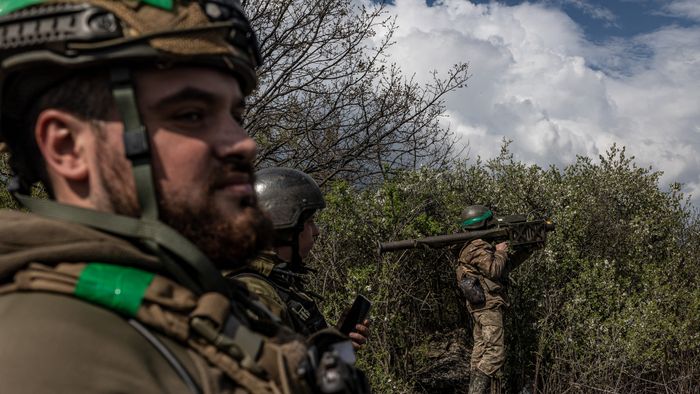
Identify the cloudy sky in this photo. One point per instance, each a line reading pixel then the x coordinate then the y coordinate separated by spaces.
pixel 566 77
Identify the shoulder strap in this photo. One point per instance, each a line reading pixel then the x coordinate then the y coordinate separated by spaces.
pixel 196 271
pixel 174 362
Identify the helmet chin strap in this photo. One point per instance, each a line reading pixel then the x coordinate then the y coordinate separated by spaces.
pixel 136 145
pixel 180 257
pixel 295 264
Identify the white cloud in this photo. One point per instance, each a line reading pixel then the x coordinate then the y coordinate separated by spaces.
pixel 537 81
pixel 685 8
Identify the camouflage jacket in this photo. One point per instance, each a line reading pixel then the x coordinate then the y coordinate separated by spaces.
pixel 481 259
pixel 283 292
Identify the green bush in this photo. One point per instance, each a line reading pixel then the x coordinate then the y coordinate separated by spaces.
pixel 611 303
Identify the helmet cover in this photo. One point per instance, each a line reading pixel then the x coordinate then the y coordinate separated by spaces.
pixel 45 41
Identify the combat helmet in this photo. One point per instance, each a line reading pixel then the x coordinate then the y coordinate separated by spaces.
pixel 475 217
pixel 289 197
pixel 43 42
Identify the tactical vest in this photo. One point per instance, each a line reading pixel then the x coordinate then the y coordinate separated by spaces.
pixel 301 311
pixel 204 324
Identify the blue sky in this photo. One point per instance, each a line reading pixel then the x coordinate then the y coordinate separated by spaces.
pixel 563 78
pixel 604 19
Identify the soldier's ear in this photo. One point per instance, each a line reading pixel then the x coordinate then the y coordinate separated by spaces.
pixel 62 139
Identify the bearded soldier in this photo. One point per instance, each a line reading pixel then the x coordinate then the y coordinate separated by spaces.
pixel 129 113
pixel 291 198
pixel 482 275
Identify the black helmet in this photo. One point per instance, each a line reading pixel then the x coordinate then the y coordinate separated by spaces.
pixel 475 217
pixel 289 196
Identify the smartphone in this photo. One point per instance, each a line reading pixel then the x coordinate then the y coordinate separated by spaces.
pixel 357 314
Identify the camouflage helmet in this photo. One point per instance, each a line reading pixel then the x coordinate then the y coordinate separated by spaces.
pixel 288 196
pixel 45 41
pixel 475 217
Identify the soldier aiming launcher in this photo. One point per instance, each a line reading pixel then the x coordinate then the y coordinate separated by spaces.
pixel 515 229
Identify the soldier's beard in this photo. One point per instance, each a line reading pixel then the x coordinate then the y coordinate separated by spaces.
pixel 228 241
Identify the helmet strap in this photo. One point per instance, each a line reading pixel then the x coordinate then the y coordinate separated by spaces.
pixel 136 143
pixel 296 263
pixel 138 151
pixel 180 257
pixel 293 242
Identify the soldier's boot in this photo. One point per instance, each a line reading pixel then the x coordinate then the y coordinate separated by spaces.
pixel 479 382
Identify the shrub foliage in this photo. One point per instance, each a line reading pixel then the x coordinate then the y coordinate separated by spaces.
pixel 611 303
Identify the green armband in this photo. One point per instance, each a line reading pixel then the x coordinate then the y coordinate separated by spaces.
pixel 116 287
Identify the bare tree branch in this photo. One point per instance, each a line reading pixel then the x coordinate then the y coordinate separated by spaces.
pixel 330 103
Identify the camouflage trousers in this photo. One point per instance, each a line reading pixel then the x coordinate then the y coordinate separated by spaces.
pixel 488 354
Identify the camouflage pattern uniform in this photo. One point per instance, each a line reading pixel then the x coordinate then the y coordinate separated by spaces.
pixel 481 259
pixel 283 293
pixel 490 266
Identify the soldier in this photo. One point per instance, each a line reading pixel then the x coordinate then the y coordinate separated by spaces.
pixel 482 275
pixel 291 198
pixel 129 113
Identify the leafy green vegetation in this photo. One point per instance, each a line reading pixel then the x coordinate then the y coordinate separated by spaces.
pixel 6 200
pixel 611 303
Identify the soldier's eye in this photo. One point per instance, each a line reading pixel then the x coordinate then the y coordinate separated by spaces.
pixel 190 116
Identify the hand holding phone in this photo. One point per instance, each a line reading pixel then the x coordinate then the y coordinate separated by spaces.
pixel 356 315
